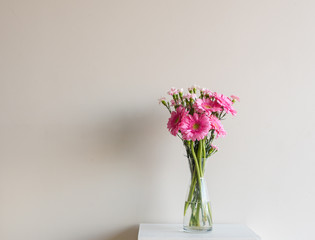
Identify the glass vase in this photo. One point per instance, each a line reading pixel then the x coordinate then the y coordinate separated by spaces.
pixel 197 210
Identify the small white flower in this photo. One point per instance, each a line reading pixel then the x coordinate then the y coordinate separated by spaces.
pixel 195 86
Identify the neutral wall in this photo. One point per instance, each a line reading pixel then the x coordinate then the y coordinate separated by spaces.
pixel 84 149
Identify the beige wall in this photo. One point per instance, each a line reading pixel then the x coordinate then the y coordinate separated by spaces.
pixel 84 150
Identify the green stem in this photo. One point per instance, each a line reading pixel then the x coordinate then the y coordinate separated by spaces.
pixel 204 156
pixel 196 162
pixel 209 210
pixel 191 191
pixel 198 175
pixel 197 213
pixel 199 155
pixel 193 220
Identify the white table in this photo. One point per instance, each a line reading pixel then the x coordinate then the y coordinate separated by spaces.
pixel 176 232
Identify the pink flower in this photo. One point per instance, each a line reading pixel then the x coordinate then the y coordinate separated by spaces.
pixel 207 92
pixel 188 96
pixel 172 91
pixel 175 120
pixel 162 99
pixel 207 105
pixel 217 126
pixel 195 127
pixel 235 98
pixel 225 102
pixel 175 102
pixel 214 147
pixel 193 87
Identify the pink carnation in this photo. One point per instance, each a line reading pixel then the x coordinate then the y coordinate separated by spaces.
pixel 217 126
pixel 193 87
pixel 235 98
pixel 188 96
pixel 207 105
pixel 175 120
pixel 214 147
pixel 172 91
pixel 207 92
pixel 162 99
pixel 195 127
pixel 225 102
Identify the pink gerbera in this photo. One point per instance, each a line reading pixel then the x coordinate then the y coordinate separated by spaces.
pixel 217 126
pixel 175 120
pixel 225 102
pixel 195 127
pixel 207 105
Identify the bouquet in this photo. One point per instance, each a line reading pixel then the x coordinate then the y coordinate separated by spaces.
pixel 196 119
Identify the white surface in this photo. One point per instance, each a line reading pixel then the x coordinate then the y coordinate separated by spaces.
pixel 176 232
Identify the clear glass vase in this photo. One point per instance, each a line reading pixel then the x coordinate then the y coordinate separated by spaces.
pixel 197 210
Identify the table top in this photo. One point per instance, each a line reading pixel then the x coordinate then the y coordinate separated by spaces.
pixel 176 232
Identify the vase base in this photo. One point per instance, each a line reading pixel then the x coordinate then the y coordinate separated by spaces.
pixel 191 229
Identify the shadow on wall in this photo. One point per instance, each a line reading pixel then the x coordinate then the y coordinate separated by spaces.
pixel 133 135
pixel 127 141
pixel 91 156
